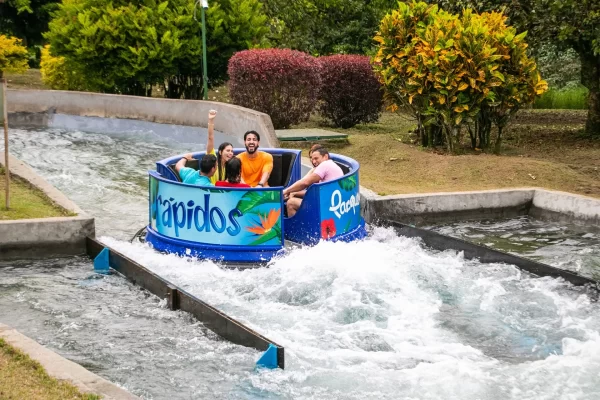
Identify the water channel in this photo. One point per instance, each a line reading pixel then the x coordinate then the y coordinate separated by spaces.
pixel 383 318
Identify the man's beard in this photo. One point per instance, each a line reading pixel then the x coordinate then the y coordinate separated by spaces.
pixel 253 149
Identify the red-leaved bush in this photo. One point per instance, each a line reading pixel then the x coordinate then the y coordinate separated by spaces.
pixel 280 82
pixel 351 94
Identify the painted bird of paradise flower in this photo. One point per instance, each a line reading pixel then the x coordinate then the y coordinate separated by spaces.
pixel 328 228
pixel 267 228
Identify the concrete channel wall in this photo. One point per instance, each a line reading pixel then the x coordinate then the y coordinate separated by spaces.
pixel 63 369
pixel 565 207
pixel 44 237
pixel 439 208
pixel 232 119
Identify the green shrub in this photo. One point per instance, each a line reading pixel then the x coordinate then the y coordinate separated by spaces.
pixel 350 92
pixel 280 82
pixel 59 75
pixel 13 56
pixel 454 71
pixel 128 47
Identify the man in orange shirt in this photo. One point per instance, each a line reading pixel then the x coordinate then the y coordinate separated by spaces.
pixel 256 165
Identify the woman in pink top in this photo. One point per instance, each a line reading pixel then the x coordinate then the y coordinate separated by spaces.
pixel 325 170
pixel 233 174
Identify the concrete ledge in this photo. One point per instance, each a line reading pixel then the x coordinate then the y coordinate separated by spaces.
pixel 29 119
pixel 234 119
pixel 63 369
pixel 436 208
pixel 44 237
pixel 565 207
pixel 431 208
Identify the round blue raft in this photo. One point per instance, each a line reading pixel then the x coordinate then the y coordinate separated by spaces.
pixel 247 225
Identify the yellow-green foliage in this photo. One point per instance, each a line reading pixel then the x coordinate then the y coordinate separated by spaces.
pixel 13 56
pixel 448 68
pixel 58 75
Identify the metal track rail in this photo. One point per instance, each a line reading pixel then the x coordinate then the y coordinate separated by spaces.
pixel 178 299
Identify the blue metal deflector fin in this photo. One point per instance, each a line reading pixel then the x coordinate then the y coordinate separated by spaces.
pixel 101 264
pixel 269 358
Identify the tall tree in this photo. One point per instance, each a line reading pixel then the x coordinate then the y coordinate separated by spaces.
pixel 323 27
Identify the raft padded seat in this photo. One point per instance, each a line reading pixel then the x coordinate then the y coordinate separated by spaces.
pixel 288 166
pixel 194 164
pixel 344 167
pixel 282 169
pixel 277 173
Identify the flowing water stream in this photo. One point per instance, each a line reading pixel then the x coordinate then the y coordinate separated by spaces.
pixel 383 318
pixel 572 247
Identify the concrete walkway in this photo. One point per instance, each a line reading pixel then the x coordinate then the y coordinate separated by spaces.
pixel 303 135
pixel 63 369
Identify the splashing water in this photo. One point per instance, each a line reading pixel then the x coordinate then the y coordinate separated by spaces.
pixel 382 318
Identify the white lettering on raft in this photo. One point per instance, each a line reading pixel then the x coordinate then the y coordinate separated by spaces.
pixel 340 207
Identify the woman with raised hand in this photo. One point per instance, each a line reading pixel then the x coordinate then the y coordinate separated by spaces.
pixel 224 153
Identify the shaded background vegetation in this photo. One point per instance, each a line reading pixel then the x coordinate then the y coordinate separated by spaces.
pixel 563 35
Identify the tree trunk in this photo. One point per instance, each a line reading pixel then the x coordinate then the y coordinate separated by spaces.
pixel 484 127
pixel 422 132
pixel 590 78
pixel 473 135
pixel 498 140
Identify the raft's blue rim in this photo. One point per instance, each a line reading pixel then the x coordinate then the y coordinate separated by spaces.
pixel 235 254
pixel 226 253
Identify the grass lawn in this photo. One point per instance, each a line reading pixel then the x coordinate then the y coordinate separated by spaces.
pixel 541 148
pixel 26 202
pixel 23 378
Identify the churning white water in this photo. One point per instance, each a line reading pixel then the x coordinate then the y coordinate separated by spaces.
pixel 383 318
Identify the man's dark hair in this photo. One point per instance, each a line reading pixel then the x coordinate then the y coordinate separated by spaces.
pixel 252 133
pixel 233 170
pixel 207 163
pixel 314 147
pixel 322 151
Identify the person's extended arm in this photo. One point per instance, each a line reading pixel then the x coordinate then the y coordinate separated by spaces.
pixel 302 184
pixel 181 163
pixel 299 194
pixel 267 168
pixel 210 145
pixel 264 178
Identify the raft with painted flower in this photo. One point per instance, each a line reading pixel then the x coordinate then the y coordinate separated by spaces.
pixel 248 225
